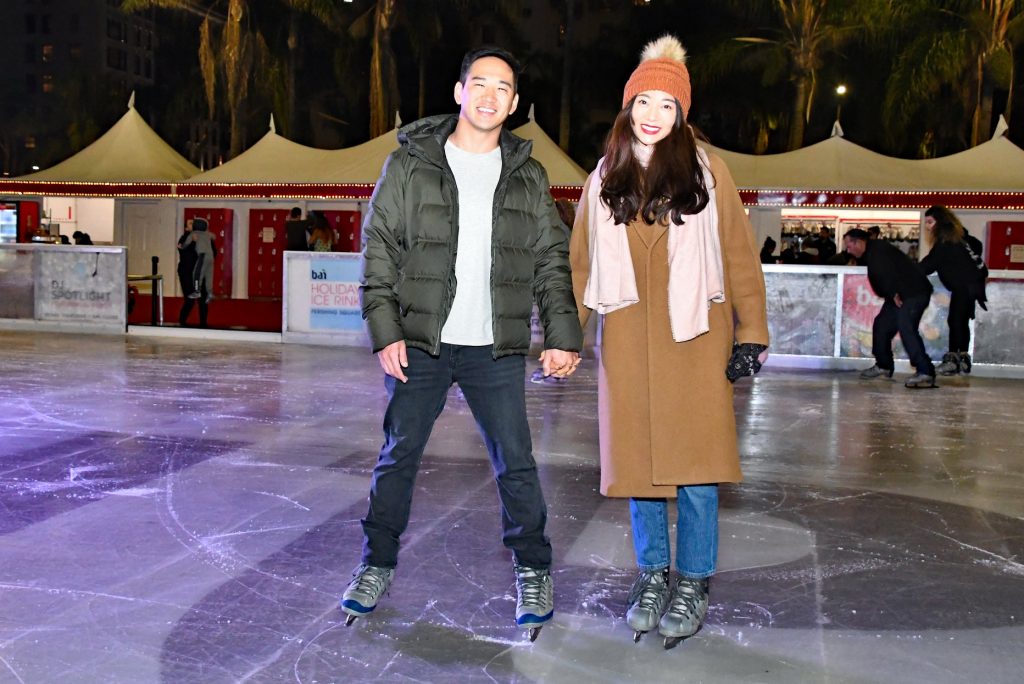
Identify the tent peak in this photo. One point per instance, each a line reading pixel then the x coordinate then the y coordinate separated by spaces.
pixel 131 101
pixel 837 130
pixel 529 116
pixel 1002 128
pixel 398 120
pixel 273 129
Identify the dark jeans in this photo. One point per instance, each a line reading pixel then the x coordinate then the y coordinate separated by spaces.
pixel 961 311
pixel 495 392
pixel 186 308
pixel 904 320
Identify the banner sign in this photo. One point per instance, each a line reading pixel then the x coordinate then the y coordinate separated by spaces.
pixel 80 287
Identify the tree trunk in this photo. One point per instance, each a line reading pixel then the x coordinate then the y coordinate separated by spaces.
pixel 382 70
pixel 797 118
pixel 978 105
pixel 421 105
pixel 564 109
pixel 290 127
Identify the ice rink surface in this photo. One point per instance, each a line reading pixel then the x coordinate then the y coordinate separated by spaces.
pixel 187 511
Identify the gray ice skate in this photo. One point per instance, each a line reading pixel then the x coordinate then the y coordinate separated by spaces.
pixel 535 598
pixel 686 611
pixel 369 584
pixel 647 599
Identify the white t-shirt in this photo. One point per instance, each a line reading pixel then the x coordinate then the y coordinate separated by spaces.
pixel 476 175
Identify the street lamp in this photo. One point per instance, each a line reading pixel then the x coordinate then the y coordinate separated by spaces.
pixel 840 92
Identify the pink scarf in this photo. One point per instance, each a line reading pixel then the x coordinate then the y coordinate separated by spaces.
pixel 694 262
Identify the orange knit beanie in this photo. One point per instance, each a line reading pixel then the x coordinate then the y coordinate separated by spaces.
pixel 662 67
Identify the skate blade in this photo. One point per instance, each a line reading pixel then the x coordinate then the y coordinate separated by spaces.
pixel 672 642
pixel 636 636
pixel 534 633
pixel 350 619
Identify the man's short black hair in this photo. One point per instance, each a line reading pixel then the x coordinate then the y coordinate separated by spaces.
pixel 491 51
pixel 858 234
pixel 296 212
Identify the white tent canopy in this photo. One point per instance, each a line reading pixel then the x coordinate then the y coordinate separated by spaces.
pixel 275 159
pixel 562 170
pixel 837 164
pixel 129 152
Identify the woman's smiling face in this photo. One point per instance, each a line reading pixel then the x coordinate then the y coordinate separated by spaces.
pixel 653 116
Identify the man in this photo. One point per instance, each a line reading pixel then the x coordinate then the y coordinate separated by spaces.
pixel 907 293
pixel 447 292
pixel 296 231
pixel 205 248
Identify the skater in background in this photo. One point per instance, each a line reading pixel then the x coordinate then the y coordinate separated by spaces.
pixel 662 248
pixel 907 293
pixel 202 273
pixel 963 273
pixel 436 199
pixel 186 261
pixel 322 237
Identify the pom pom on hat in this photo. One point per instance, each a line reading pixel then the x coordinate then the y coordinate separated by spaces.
pixel 662 67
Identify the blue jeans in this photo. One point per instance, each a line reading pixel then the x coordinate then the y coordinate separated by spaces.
pixel 495 392
pixel 696 532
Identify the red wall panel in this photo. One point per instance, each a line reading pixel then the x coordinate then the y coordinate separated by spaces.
pixel 266 252
pixel 1004 245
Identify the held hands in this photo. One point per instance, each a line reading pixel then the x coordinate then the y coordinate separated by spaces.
pixel 559 363
pixel 747 359
pixel 897 300
pixel 393 359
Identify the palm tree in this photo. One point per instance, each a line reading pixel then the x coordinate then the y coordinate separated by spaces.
pixel 806 33
pixel 955 42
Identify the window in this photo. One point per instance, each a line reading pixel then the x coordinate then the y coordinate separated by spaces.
pixel 30 83
pixel 30 53
pixel 149 68
pixel 117 59
pixel 45 24
pixel 114 29
pixel 138 65
pixel 47 53
pixel 47 83
pixel 30 23
pixel 30 142
pixel 75 52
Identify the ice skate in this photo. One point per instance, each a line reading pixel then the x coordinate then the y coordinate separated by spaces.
pixel 647 599
pixel 364 591
pixel 965 362
pixel 950 364
pixel 686 611
pixel 875 372
pixel 535 599
pixel 920 381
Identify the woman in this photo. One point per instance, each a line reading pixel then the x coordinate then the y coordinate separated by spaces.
pixel 963 273
pixel 663 250
pixel 322 237
pixel 201 274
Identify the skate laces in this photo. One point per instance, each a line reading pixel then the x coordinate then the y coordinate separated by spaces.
pixel 370 580
pixel 690 593
pixel 532 585
pixel 648 589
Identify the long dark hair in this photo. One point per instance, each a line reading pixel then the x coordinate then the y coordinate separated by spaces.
pixel 671 185
pixel 947 226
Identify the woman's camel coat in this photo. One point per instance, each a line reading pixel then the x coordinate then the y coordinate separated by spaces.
pixel 665 407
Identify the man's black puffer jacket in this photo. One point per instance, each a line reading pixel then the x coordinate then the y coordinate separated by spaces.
pixel 410 236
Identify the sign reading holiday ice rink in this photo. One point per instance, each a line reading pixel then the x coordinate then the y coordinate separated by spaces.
pixel 322 296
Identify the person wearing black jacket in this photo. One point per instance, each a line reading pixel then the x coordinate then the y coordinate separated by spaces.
pixel 895 278
pixel 963 273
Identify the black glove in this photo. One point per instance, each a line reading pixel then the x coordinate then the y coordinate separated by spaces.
pixel 744 360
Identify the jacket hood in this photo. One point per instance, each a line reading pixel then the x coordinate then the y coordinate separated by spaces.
pixel 427 137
